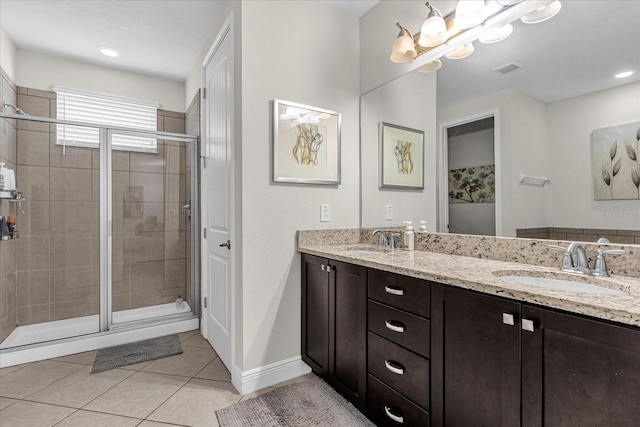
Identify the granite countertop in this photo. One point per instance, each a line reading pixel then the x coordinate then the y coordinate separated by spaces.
pixel 483 275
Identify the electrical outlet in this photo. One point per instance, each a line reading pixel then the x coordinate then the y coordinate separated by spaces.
pixel 389 212
pixel 324 213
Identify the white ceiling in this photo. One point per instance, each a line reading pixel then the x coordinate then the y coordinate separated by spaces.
pixel 576 52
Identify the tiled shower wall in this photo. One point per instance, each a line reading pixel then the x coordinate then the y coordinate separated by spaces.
pixel 8 249
pixel 57 255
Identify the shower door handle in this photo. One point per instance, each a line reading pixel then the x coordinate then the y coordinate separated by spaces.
pixel 228 245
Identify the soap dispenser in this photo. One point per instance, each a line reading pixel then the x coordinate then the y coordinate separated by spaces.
pixel 409 240
pixel 7 182
pixel 423 226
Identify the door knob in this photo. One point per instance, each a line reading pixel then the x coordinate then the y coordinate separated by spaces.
pixel 228 244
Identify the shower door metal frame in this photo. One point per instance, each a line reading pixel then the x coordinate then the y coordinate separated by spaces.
pixel 106 217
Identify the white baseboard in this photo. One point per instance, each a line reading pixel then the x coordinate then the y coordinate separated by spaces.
pixel 265 376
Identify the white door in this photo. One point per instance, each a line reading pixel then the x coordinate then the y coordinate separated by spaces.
pixel 217 190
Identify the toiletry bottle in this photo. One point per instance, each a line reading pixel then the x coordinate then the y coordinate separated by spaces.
pixel 7 182
pixel 408 231
pixel 423 226
pixel 4 229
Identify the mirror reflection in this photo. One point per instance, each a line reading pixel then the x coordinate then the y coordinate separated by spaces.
pixel 559 87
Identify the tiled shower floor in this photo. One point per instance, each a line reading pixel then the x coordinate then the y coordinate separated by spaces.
pixel 181 390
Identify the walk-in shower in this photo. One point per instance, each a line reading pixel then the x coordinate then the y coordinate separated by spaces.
pixel 106 251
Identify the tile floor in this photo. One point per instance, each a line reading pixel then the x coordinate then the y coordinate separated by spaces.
pixel 181 390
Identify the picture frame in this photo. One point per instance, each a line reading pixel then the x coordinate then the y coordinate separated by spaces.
pixel 401 156
pixel 306 144
pixel 615 157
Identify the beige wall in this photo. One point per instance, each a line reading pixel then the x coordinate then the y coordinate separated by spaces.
pixel 7 54
pixel 570 125
pixel 305 52
pixel 407 101
pixel 555 140
pixel 39 71
pixel 522 132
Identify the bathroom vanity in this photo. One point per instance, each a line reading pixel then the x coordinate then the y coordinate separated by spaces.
pixel 425 338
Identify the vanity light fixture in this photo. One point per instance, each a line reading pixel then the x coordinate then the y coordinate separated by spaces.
pixel 461 52
pixel 434 29
pixel 430 67
pixel 404 49
pixel 624 74
pixel 497 35
pixel 108 51
pixel 469 13
pixel 542 14
pixel 452 36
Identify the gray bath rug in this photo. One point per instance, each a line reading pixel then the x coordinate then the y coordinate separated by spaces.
pixel 141 351
pixel 309 403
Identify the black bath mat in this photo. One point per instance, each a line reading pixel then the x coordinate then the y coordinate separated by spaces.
pixel 141 351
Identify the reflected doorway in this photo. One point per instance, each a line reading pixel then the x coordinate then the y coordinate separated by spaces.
pixel 468 180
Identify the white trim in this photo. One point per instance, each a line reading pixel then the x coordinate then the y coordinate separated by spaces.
pixel 265 376
pixel 443 161
pixel 65 347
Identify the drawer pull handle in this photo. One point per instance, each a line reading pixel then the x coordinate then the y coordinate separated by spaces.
pixel 393 291
pixel 394 326
pixel 508 319
pixel 528 325
pixel 394 417
pixel 394 367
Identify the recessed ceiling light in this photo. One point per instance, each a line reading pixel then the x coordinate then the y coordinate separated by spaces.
pixel 107 51
pixel 623 74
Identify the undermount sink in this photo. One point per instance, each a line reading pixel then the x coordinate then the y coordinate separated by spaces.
pixel 364 250
pixel 562 282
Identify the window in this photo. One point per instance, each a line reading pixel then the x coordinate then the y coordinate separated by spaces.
pixel 83 106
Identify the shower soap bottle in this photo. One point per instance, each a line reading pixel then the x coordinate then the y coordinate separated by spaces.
pixel 7 182
pixel 409 239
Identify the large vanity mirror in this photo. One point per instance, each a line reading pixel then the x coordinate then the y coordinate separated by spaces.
pixel 544 111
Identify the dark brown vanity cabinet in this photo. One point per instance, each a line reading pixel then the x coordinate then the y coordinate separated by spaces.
pixel 398 350
pixel 334 310
pixel 497 362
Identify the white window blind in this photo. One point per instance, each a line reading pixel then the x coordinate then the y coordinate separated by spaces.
pixel 83 106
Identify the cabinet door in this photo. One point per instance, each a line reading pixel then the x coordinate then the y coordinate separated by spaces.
pixel 315 314
pixel 579 372
pixel 475 359
pixel 347 331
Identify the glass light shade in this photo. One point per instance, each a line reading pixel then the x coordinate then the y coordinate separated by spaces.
pixel 404 50
pixel 508 2
pixel 430 67
pixel 434 29
pixel 497 35
pixel 469 13
pixel 542 14
pixel 461 52
pixel 433 32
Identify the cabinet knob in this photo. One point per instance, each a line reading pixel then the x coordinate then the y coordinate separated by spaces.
pixel 528 325
pixel 393 291
pixel 394 417
pixel 394 367
pixel 508 319
pixel 394 326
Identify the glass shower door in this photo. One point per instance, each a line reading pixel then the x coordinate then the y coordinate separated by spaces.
pixel 151 256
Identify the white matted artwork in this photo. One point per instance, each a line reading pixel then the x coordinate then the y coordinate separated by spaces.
pixel 616 162
pixel 306 144
pixel 401 152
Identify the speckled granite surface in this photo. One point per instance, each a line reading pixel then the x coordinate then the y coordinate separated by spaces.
pixel 476 270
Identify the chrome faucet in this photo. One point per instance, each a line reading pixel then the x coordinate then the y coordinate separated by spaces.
pixel 385 242
pixel 575 259
pixel 382 242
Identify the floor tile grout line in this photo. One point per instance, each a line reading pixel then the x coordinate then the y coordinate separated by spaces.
pixel 113 386
pixel 70 373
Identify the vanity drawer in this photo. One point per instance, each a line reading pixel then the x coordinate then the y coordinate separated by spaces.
pixel 389 408
pixel 400 369
pixel 407 293
pixel 400 327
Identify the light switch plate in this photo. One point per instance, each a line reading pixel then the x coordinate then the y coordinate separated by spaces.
pixel 325 215
pixel 389 212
